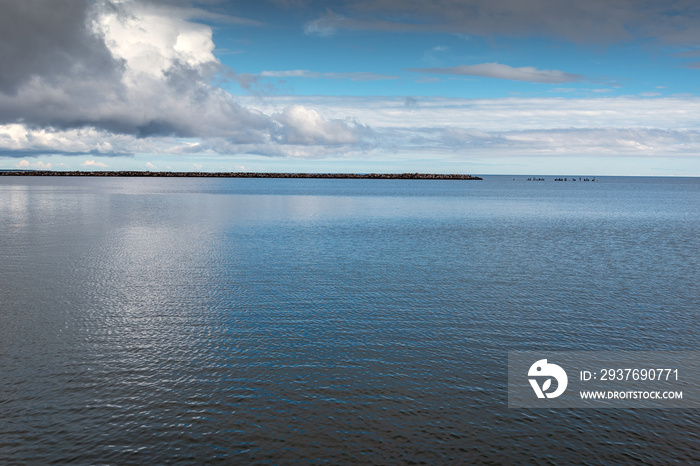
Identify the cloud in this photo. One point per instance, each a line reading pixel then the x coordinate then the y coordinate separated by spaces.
pixel 293 126
pixel 594 127
pixel 95 78
pixel 687 54
pixel 574 141
pixel 302 125
pixel 19 140
pixel 328 24
pixel 92 163
pixel 589 22
pixel 499 71
pixel 23 164
pixel 435 55
pixel 324 26
pixel 123 77
pixel 318 127
pixel 41 38
pixel 352 76
pixel 134 68
pixel 411 103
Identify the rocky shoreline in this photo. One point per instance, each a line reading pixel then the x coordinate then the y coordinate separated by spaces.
pixel 368 176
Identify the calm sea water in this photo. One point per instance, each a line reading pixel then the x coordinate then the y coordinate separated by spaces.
pixel 342 321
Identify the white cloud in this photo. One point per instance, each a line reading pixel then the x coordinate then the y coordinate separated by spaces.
pixel 152 39
pixel 24 164
pixel 20 140
pixel 92 163
pixel 502 114
pixel 516 126
pixel 303 125
pixel 500 71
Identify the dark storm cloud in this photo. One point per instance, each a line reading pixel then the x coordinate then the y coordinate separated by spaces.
pixel 48 38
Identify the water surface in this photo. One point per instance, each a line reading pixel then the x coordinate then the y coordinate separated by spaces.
pixel 271 320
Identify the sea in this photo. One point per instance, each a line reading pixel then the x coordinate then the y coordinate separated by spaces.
pixel 278 321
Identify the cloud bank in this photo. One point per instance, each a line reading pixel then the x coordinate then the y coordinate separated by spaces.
pixel 499 71
pixel 513 127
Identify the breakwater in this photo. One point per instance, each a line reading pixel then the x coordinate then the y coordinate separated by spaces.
pixel 370 176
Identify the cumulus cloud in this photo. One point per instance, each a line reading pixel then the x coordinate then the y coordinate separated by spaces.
pixel 121 77
pixel 499 71
pixel 302 125
pixel 154 79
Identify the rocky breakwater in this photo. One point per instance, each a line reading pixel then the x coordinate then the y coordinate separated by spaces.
pixel 362 176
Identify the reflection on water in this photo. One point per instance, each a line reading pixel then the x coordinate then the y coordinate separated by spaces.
pixel 155 320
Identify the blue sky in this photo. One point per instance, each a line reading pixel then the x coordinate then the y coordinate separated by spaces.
pixel 511 87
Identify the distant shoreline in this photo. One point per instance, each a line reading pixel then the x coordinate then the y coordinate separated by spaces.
pixel 362 176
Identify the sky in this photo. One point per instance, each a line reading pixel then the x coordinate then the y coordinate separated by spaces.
pixel 529 87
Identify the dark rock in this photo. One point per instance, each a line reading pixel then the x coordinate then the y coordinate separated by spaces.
pixel 369 176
